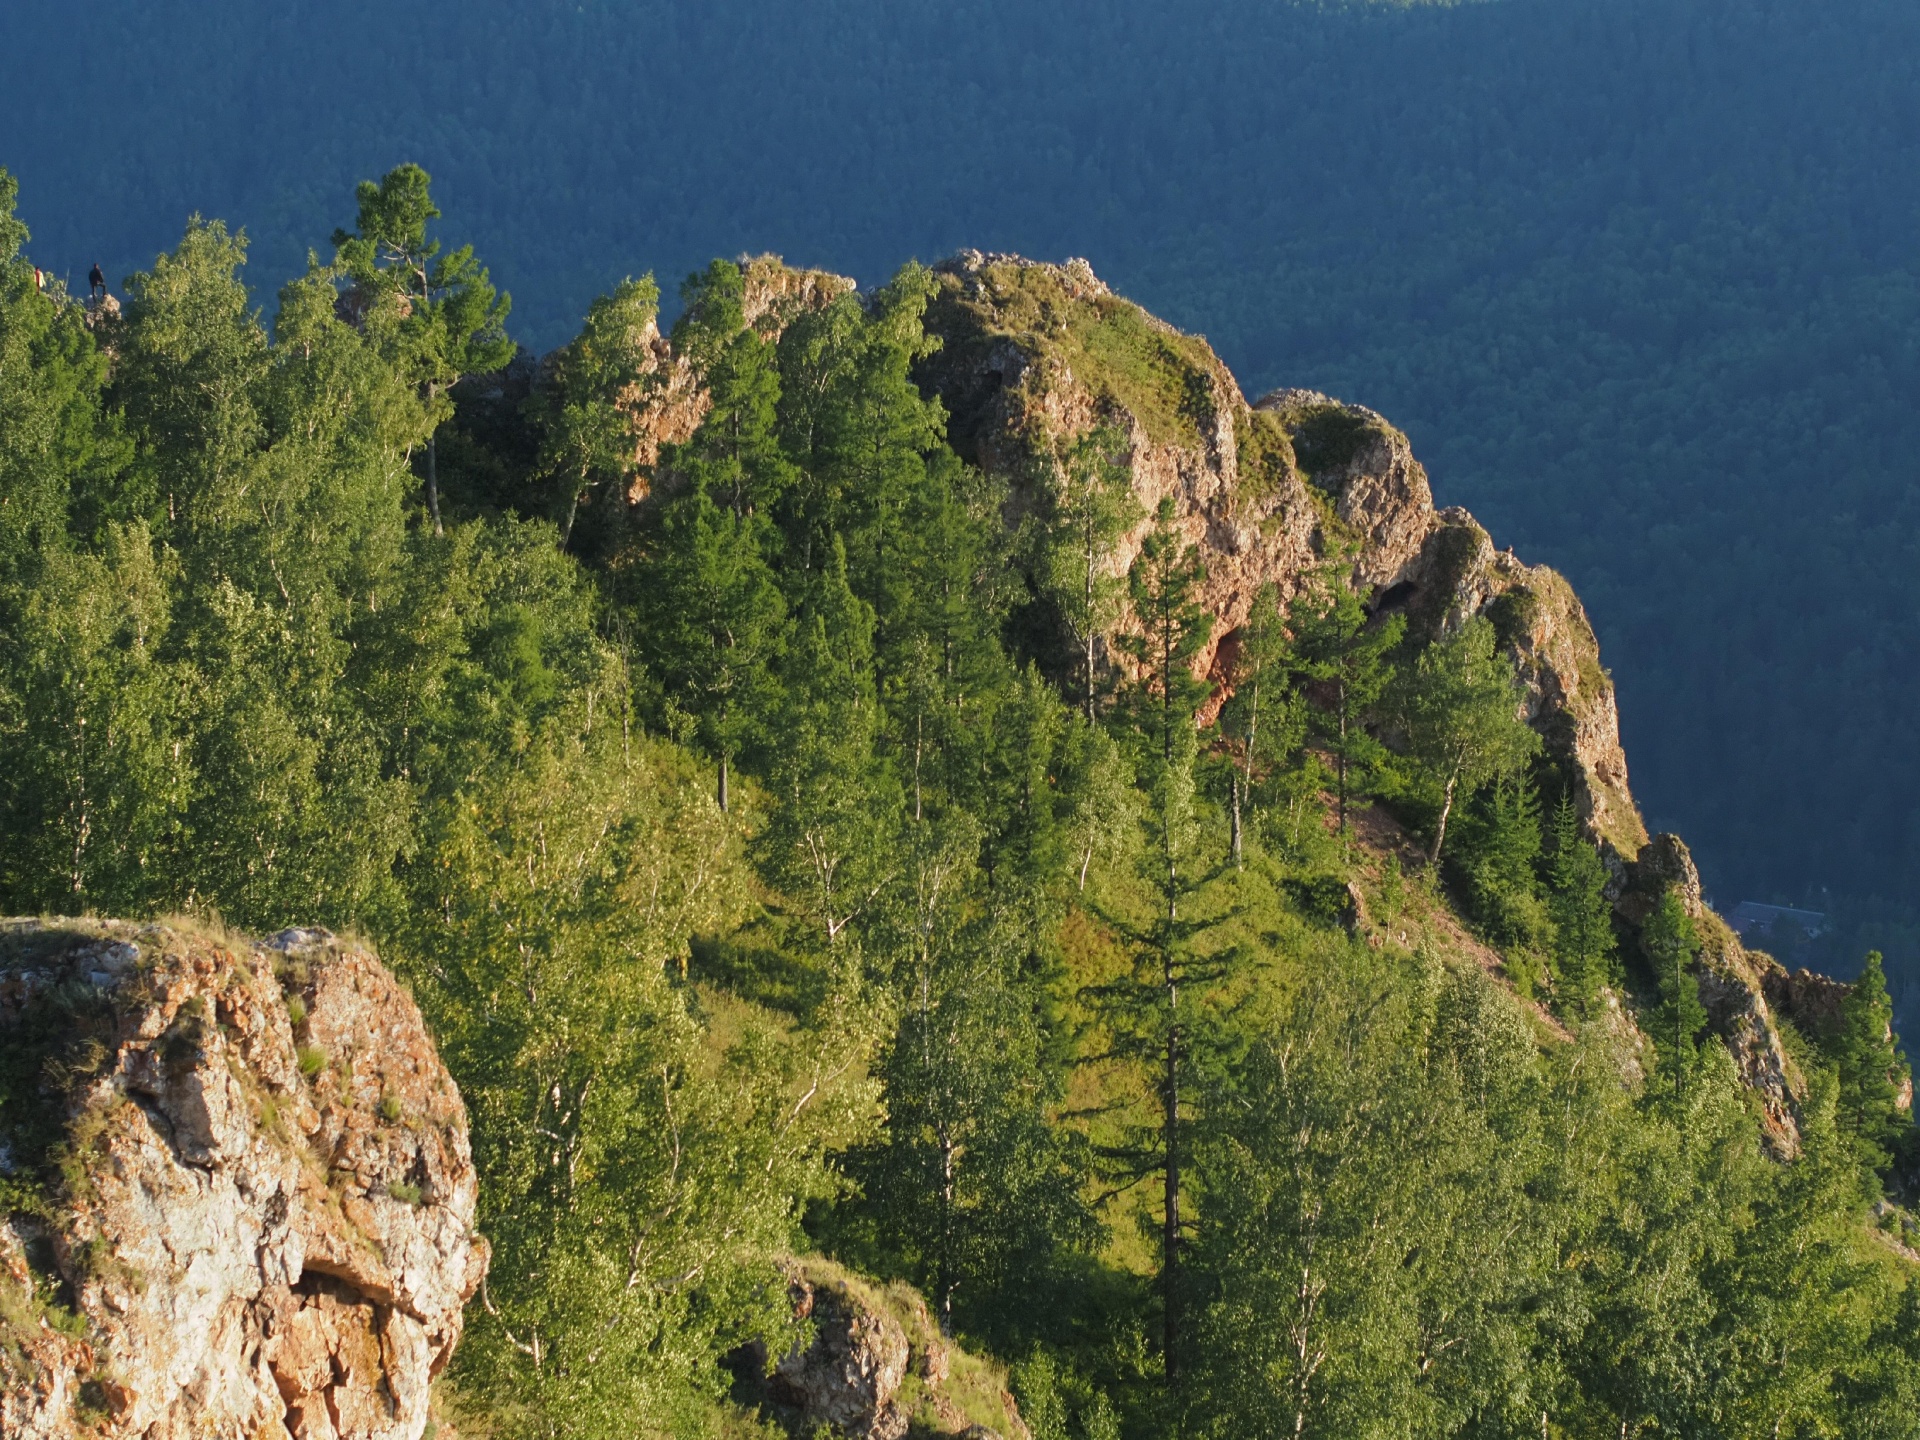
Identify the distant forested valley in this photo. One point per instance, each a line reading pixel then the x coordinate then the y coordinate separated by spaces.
pixel 1637 276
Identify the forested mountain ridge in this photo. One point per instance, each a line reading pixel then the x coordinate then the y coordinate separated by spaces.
pixel 1031 357
pixel 1635 275
pixel 913 789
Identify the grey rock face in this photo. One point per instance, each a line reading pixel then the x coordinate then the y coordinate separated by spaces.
pixel 267 1221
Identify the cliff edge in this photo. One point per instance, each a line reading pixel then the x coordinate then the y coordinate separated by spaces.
pixel 239 1197
pixel 1034 355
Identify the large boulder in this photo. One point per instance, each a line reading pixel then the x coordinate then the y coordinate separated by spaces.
pixel 240 1188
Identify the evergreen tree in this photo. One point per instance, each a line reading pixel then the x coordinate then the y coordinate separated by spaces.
pixel 713 621
pixel 877 433
pixel 1497 855
pixel 830 841
pixel 1145 1007
pixel 1668 939
pixel 438 316
pixel 735 455
pixel 1873 1072
pixel 1582 918
pixel 584 432
pixel 1336 647
pixel 1460 705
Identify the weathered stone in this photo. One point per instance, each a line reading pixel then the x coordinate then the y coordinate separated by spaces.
pixel 1810 1001
pixel 849 1376
pixel 253 1251
pixel 1266 492
pixel 666 403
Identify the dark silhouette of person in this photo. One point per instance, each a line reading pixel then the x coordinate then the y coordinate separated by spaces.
pixel 96 282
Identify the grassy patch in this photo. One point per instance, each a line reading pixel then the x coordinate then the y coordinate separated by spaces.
pixel 1163 378
pixel 1514 613
pixel 1267 460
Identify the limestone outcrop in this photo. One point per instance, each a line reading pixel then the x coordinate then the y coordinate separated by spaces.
pixel 666 404
pixel 873 1366
pixel 1034 355
pixel 240 1188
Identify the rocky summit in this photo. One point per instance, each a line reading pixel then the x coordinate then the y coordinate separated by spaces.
pixel 248 1196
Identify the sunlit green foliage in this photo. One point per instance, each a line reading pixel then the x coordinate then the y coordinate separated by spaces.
pixel 1186 1097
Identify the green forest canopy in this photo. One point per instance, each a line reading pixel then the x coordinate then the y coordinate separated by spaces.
pixel 1636 275
pixel 959 974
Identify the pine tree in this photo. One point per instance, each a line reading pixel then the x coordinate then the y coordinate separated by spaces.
pixel 438 315
pixel 830 841
pixel 1460 706
pixel 1335 646
pixel 1668 940
pixel 584 432
pixel 735 455
pixel 878 434
pixel 1146 1006
pixel 1873 1072
pixel 714 621
pixel 1582 918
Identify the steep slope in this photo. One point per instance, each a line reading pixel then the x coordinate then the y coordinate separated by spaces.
pixel 246 1184
pixel 1035 354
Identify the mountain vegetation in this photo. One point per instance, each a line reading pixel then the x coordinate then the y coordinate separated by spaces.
pixel 711 742
pixel 1636 275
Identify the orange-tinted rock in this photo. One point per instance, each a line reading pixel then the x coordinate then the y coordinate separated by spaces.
pixel 254 1251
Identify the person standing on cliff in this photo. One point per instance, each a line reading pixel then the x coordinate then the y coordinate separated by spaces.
pixel 96 282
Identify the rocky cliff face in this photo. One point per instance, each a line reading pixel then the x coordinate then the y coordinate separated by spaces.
pixel 666 404
pixel 241 1192
pixel 1035 354
pixel 874 1367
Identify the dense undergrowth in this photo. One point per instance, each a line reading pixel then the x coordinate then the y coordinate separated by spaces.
pixel 768 890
